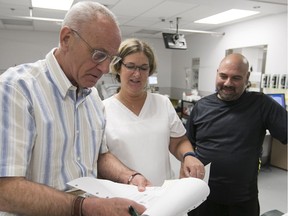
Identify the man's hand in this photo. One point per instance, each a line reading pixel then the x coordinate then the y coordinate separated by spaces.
pixel 192 167
pixel 109 206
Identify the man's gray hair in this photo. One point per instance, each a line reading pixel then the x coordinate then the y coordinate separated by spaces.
pixel 84 12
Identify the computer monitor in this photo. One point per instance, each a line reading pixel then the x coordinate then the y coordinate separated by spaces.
pixel 152 80
pixel 280 98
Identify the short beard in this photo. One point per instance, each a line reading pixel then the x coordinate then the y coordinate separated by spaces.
pixel 226 97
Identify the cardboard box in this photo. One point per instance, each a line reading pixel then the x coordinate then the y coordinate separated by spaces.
pixel 278 155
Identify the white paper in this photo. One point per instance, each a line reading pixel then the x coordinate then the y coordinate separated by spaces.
pixel 207 173
pixel 174 197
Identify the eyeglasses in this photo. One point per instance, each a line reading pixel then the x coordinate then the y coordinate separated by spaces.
pixel 132 67
pixel 98 56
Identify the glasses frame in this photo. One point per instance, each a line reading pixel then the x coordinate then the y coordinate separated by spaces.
pixel 113 59
pixel 135 68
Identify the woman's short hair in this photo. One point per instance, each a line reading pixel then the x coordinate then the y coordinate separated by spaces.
pixel 131 46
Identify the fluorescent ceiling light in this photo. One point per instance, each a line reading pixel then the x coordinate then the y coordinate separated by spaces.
pixel 52 4
pixel 227 16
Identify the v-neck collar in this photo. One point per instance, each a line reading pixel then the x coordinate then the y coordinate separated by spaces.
pixel 130 111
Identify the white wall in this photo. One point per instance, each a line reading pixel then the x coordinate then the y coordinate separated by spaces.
pixel 17 47
pixel 27 46
pixel 164 62
pixel 270 30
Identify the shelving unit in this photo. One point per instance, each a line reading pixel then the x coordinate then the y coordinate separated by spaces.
pixel 195 72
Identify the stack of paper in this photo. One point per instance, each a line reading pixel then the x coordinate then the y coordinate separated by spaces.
pixel 173 198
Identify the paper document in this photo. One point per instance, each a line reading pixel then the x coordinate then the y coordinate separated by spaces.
pixel 173 198
pixel 207 173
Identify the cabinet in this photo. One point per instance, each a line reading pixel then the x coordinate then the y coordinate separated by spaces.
pixel 278 154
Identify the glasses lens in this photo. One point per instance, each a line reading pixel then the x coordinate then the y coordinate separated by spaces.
pixel 99 56
pixel 130 67
pixel 133 67
pixel 144 68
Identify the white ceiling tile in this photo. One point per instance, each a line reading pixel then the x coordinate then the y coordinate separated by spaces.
pixel 57 14
pixel 168 9
pixel 143 16
pixel 134 7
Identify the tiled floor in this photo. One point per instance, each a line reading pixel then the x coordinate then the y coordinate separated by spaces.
pixel 272 184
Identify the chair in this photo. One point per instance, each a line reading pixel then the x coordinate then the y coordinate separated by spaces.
pixel 273 213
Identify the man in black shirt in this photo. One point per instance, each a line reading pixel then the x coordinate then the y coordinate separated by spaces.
pixel 227 129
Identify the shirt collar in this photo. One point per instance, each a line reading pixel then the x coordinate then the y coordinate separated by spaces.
pixel 59 78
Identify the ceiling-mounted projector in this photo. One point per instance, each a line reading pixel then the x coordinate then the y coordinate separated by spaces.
pixel 174 41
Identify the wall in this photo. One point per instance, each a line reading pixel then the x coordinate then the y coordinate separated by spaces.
pixel 164 63
pixel 18 47
pixel 27 46
pixel 270 30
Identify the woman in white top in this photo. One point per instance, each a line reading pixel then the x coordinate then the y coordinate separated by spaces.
pixel 143 127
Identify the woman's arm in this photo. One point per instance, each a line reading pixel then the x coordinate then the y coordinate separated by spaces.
pixel 190 165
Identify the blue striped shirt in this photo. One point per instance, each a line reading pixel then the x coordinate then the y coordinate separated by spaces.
pixel 48 134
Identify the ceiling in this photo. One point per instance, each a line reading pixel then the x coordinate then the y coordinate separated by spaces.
pixel 140 18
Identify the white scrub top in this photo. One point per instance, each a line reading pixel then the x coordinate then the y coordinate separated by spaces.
pixel 142 142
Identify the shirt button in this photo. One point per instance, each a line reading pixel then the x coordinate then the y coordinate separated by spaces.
pixel 78 158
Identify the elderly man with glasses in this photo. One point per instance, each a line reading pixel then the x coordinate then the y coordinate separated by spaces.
pixel 52 123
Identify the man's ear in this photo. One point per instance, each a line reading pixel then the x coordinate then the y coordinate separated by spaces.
pixel 65 36
pixel 248 75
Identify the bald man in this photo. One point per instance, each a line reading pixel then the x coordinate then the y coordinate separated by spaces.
pixel 227 129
